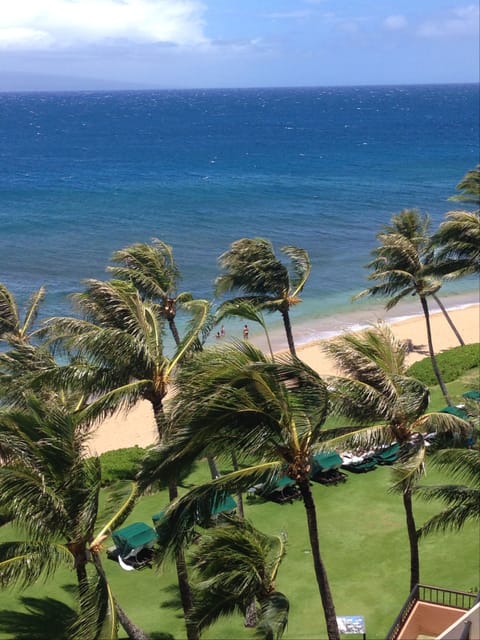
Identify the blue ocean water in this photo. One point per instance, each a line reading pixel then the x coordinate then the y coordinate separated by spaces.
pixel 84 174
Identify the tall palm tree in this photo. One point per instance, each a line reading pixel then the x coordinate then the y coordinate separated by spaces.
pixel 236 564
pixel 462 502
pixel 400 266
pixel 151 268
pixel 120 346
pixel 388 406
pixel 251 266
pixel 51 489
pixel 234 398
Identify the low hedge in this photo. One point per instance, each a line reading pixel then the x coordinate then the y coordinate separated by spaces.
pixel 452 364
pixel 122 464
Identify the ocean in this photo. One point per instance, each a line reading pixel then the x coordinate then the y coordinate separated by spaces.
pixel 84 174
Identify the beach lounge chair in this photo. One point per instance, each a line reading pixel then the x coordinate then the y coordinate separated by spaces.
pixel 325 468
pixel 134 545
pixel 361 466
pixel 388 455
pixel 472 395
pixel 282 490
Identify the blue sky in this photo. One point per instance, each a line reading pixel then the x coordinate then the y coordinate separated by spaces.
pixel 54 44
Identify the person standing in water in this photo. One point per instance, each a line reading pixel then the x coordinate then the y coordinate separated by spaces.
pixel 245 332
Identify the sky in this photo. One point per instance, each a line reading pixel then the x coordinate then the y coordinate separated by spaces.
pixel 115 44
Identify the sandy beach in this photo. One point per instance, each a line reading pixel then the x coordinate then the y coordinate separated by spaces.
pixel 138 427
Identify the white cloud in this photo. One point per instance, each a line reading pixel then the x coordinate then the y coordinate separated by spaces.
pixel 34 24
pixel 394 23
pixel 461 21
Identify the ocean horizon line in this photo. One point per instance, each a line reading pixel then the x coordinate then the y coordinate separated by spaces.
pixel 100 90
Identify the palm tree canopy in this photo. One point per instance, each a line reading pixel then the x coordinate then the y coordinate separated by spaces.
pixel 151 268
pixel 401 263
pixel 237 563
pixel 120 344
pixel 378 392
pixel 469 187
pixel 462 502
pixel 47 482
pixel 250 265
pixel 234 394
pixel 458 244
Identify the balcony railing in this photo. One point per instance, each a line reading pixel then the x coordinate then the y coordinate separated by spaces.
pixel 432 595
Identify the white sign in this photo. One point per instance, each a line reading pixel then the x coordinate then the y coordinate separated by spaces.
pixel 351 624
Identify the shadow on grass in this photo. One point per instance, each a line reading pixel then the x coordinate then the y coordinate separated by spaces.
pixel 44 619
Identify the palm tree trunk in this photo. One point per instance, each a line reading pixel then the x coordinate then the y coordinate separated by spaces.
pixel 180 563
pixel 449 320
pixel 320 571
pixel 212 465
pixel 183 582
pixel 412 538
pixel 288 330
pixel 241 511
pixel 131 629
pixel 436 370
pixel 174 331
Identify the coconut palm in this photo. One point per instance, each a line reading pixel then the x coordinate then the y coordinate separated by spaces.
pixel 251 266
pixel 389 406
pixel 236 564
pixel 233 398
pixel 151 268
pixel 120 346
pixel 462 502
pixel 50 489
pixel 401 267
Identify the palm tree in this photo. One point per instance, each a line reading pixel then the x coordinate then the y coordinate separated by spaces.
pixel 234 398
pixel 462 502
pixel 400 266
pixel 51 489
pixel 122 360
pixel 250 265
pixel 236 564
pixel 153 271
pixel 389 406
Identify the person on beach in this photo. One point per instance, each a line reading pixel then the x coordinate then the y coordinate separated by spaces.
pixel 245 332
pixel 222 331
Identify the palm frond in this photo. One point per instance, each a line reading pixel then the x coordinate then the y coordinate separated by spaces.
pixel 97 619
pixel 301 267
pixel 128 492
pixel 274 616
pixel 9 316
pixel 24 563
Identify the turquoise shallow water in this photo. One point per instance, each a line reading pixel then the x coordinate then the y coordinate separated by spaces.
pixel 83 174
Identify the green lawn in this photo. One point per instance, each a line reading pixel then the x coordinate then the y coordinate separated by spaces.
pixel 363 542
